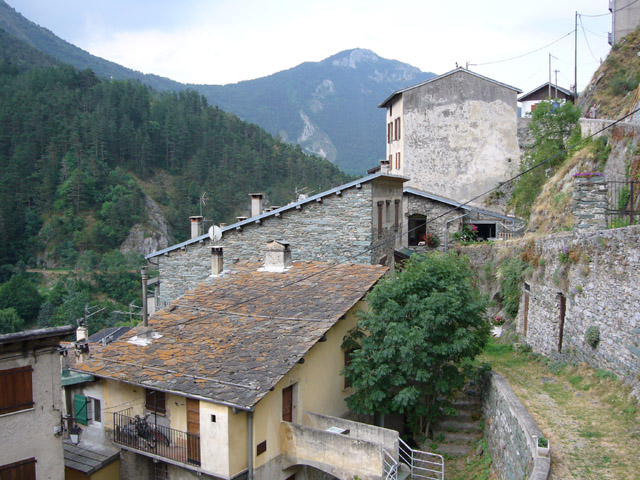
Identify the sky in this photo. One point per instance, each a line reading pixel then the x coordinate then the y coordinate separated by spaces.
pixel 227 41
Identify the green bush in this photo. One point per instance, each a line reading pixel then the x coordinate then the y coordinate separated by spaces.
pixel 511 274
pixel 592 336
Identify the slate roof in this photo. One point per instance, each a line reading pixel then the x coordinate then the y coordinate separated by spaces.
pixel 279 211
pixel 464 206
pixel 111 333
pixel 233 339
pixel 383 104
pixel 88 458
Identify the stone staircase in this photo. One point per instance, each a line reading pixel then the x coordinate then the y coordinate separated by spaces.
pixel 458 435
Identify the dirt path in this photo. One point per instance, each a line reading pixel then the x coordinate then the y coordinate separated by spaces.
pixel 591 422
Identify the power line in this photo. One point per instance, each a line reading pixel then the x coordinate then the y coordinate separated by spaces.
pixel 523 55
pixel 586 40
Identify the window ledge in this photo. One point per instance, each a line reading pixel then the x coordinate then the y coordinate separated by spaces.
pixel 32 409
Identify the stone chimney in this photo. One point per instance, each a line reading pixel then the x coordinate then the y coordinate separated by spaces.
pixel 278 256
pixel 196 226
pixel 241 219
pixel 217 264
pixel 256 203
pixel 384 166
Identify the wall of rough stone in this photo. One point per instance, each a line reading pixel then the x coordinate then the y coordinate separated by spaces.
pixel 509 432
pixel 459 135
pixel 590 202
pixel 338 229
pixel 598 273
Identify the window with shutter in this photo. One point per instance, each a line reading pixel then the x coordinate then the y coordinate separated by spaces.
pixel 155 401
pixel 23 470
pixel 80 409
pixel 16 390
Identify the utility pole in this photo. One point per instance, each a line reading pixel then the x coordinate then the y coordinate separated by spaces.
pixel 575 61
pixel 549 75
pixel 555 86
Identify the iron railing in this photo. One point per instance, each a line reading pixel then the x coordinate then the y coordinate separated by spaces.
pixel 162 441
pixel 624 203
pixel 423 465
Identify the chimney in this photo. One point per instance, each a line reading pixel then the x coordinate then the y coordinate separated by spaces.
pixel 217 265
pixel 384 166
pixel 222 225
pixel 145 277
pixel 278 256
pixel 241 219
pixel 196 226
pixel 82 333
pixel 256 203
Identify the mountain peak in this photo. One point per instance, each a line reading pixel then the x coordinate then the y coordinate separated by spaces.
pixel 351 58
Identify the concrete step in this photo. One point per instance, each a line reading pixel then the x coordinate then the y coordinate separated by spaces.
pixel 454 450
pixel 458 425
pixel 404 472
pixel 457 437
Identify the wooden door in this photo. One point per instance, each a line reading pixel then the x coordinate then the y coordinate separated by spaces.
pixel 526 312
pixel 193 431
pixel 287 404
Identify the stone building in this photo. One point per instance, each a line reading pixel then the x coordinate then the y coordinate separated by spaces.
pixel 625 16
pixel 427 213
pixel 358 222
pixel 454 135
pixel 30 404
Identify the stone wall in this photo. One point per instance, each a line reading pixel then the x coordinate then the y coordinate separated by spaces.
pixel 340 228
pixel 509 432
pixel 596 276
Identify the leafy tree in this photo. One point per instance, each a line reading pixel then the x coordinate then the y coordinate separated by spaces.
pixel 45 314
pixel 553 128
pixel 10 321
pixel 424 323
pixel 22 295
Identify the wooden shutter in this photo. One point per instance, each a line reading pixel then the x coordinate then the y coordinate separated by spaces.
pixel 287 404
pixel 193 431
pixel 16 390
pixel 23 470
pixel 80 408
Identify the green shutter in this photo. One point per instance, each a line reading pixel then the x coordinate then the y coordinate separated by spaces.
pixel 80 408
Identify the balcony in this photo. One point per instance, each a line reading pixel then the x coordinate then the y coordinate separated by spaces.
pixel 157 441
pixel 340 447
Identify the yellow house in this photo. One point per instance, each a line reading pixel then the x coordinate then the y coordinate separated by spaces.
pixel 240 378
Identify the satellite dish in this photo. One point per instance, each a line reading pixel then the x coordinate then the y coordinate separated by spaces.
pixel 215 233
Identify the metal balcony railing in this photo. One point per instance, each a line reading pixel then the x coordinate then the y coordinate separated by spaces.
pixel 137 433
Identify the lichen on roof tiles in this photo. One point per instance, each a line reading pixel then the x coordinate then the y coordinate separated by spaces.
pixel 234 337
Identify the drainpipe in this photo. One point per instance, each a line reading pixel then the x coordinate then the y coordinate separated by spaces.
pixel 446 231
pixel 250 437
pixel 144 275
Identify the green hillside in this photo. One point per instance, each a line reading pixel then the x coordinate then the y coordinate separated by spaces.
pixel 79 155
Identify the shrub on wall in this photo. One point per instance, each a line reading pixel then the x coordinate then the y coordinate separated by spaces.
pixel 511 274
pixel 592 336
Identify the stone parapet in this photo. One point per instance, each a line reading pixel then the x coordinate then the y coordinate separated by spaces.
pixel 590 202
pixel 511 434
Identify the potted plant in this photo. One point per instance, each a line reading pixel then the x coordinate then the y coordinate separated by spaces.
pixel 542 446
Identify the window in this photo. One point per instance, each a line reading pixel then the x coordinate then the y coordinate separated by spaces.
pixel 398 161
pixel 160 471
pixel 94 410
pixel 155 401
pixel 261 448
pixel 389 132
pixel 23 470
pixel 16 391
pixel 397 137
pixel 396 220
pixel 380 203
pixel 417 229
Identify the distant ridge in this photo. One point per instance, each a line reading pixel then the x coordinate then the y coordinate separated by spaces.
pixel 329 107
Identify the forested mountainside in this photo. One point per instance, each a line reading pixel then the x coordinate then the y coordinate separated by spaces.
pixel 327 107
pixel 83 160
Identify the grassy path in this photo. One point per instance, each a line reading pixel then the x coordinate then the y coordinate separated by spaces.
pixel 591 421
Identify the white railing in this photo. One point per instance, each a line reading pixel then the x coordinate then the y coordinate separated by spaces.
pixel 390 471
pixel 423 465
